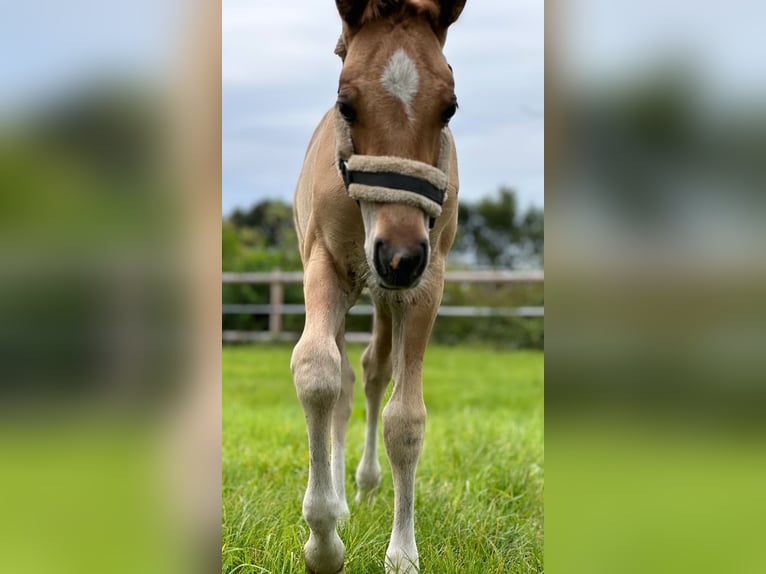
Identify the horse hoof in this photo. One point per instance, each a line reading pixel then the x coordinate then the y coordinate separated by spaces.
pixel 326 557
pixel 341 571
pixel 366 496
pixel 401 562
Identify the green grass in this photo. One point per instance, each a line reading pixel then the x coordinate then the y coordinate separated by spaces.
pixel 479 492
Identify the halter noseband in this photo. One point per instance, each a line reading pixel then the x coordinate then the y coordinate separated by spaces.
pixel 386 179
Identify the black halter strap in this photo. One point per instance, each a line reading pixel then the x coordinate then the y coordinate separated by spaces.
pixel 393 180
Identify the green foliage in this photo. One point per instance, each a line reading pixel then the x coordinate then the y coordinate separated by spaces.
pixel 269 221
pixel 479 492
pixel 493 232
pixel 500 332
pixel 260 240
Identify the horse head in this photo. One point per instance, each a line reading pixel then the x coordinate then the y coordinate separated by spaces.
pixel 396 95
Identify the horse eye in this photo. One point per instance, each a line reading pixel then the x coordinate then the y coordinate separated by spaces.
pixel 449 111
pixel 346 110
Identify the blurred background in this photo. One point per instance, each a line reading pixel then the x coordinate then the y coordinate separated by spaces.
pixel 109 417
pixel 655 332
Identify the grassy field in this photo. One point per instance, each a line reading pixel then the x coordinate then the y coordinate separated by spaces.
pixel 479 493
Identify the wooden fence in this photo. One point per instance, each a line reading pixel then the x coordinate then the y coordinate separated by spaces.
pixel 276 307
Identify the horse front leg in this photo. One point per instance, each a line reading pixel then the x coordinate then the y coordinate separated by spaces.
pixel 316 366
pixel 404 423
pixel 340 418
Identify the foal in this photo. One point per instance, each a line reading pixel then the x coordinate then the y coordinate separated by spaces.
pixel 376 207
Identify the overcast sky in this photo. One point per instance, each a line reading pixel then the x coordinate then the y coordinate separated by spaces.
pixel 280 75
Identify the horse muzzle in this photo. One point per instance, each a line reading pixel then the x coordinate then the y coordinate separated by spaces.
pixel 400 267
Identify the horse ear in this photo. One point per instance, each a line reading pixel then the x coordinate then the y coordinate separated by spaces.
pixel 450 11
pixel 351 10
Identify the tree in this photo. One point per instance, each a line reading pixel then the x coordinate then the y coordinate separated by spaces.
pixel 260 238
pixel 492 232
pixel 270 221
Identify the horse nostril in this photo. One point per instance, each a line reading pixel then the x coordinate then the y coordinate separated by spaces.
pixel 424 248
pixel 416 259
pixel 379 256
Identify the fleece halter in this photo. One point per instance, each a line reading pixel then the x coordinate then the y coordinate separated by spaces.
pixel 387 179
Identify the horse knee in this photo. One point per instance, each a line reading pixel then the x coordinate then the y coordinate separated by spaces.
pixel 404 427
pixel 316 367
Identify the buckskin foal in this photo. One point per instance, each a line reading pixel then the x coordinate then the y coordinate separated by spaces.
pixel 376 207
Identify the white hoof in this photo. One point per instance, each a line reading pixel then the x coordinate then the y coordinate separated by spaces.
pixel 401 562
pixel 324 555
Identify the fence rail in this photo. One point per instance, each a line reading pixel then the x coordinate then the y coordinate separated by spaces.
pixel 276 307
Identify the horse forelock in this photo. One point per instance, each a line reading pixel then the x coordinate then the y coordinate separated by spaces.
pixel 396 10
pixel 377 9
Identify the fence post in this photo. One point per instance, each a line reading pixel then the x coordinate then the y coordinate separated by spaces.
pixel 276 299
